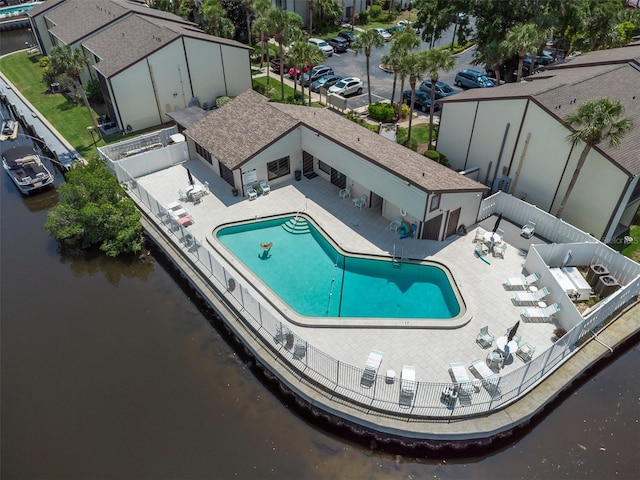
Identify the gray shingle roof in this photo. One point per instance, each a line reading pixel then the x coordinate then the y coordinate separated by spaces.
pixel 248 124
pixel 561 89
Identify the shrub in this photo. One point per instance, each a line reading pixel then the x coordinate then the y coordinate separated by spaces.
pixel 363 18
pixel 220 101
pixel 376 12
pixel 401 138
pixel 44 62
pixel 437 157
pixel 382 112
pixel 266 90
pixel 93 92
pixel 405 110
pixel 296 97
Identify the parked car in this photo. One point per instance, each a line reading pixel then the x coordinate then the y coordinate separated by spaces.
pixel 421 101
pixel 384 34
pixel 350 37
pixel 322 45
pixel 543 58
pixel 275 64
pixel 442 89
pixel 314 74
pixel 472 79
pixel 339 44
pixel 347 86
pixel 295 73
pixel 326 82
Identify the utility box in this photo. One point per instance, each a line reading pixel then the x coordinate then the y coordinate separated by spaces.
pixel 606 285
pixel 595 272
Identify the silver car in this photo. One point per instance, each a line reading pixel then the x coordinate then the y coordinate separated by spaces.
pixel 347 86
pixel 322 45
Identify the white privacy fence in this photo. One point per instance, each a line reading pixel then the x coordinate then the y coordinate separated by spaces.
pixel 337 380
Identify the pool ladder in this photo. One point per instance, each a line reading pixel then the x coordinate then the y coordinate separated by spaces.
pixel 397 261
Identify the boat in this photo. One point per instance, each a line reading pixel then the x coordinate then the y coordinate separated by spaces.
pixel 26 169
pixel 9 130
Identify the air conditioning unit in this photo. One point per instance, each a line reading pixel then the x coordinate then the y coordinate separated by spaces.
pixel 596 271
pixel 55 87
pixel 501 183
pixel 606 286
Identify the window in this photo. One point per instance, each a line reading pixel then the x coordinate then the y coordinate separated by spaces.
pixel 435 203
pixel 278 168
pixel 324 167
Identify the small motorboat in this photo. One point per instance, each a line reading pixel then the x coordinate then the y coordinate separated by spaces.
pixel 26 169
pixel 9 130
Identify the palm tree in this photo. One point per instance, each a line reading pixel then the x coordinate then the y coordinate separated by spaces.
pixel 414 67
pixel 523 39
pixel 594 121
pixel 72 62
pixel 283 25
pixel 401 46
pixel 366 41
pixel 324 12
pixel 436 60
pixel 217 22
pixel 261 25
pixel 491 54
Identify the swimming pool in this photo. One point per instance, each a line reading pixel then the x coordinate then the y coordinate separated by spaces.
pixel 305 269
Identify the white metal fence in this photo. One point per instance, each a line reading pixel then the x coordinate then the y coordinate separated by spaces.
pixel 341 381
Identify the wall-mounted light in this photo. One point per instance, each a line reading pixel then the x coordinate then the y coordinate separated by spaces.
pixel 175 94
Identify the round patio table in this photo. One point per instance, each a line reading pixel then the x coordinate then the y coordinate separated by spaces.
pixel 505 346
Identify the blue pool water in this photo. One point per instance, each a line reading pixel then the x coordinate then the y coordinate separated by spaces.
pixel 307 273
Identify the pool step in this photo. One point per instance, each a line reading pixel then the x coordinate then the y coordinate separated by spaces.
pixel 296 225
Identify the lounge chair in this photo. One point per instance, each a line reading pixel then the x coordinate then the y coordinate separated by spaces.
pixel 479 235
pixel 345 192
pixel 499 249
pixel 495 359
pixel 182 195
pixel 489 378
pixel 264 186
pixel 529 298
pixel 300 349
pixel 528 229
pixel 525 351
pixel 251 193
pixel 545 314
pixel 371 369
pixel 206 188
pixel 484 338
pixel 459 373
pixel 395 225
pixel 360 201
pixel 408 380
pixel 521 282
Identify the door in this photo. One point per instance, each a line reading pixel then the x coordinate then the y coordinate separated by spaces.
pixel 338 179
pixel 431 228
pixel 307 163
pixel 452 223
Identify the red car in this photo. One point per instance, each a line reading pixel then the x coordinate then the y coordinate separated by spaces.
pixel 295 73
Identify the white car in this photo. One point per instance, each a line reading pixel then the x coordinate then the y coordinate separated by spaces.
pixel 384 34
pixel 347 86
pixel 322 45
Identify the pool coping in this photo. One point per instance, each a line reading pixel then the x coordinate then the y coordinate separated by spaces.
pixel 274 300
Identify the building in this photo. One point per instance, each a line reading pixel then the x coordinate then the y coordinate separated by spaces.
pixel 516 136
pixel 148 62
pixel 250 139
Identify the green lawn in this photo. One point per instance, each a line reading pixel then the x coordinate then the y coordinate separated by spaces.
pixel 274 81
pixel 69 118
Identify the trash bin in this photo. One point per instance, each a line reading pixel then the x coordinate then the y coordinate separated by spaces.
pixel 298 175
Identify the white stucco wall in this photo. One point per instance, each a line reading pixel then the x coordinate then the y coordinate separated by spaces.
pixel 456 124
pixel 237 70
pixel 287 146
pixel 168 69
pixel 134 97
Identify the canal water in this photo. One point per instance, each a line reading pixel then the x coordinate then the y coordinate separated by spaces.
pixel 110 369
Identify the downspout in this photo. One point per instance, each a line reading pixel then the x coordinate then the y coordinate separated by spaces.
pixel 473 127
pixel 504 141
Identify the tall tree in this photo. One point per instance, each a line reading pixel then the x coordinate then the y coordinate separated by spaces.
pixel 324 13
pixel 594 121
pixel 524 39
pixel 415 65
pixel 434 61
pixel 216 21
pixel 491 54
pixel 261 25
pixel 434 18
pixel 72 62
pixel 303 54
pixel 401 46
pixel 365 42
pixel 284 26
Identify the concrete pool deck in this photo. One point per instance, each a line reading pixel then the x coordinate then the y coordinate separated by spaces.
pixel 351 224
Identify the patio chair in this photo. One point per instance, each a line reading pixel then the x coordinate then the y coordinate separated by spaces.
pixel 529 298
pixel 265 187
pixel 495 359
pixel 490 379
pixel 500 232
pixel 395 225
pixel 300 349
pixel 251 193
pixel 360 201
pixel 481 248
pixel 371 369
pixel 545 314
pixel 345 192
pixel 408 380
pixel 459 374
pixel 484 338
pixel 528 229
pixel 182 195
pixel 521 282
pixel 479 235
pixel 525 352
pixel 499 249
pixel 206 188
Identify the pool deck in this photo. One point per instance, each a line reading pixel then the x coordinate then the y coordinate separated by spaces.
pixel 430 350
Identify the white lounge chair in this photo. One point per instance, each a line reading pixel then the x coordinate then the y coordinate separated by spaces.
pixel 461 378
pixel 521 282
pixel 251 193
pixel 545 314
pixel 489 378
pixel 264 186
pixel 360 201
pixel 528 229
pixel 530 298
pixel 371 369
pixel 395 225
pixel 484 338
pixel 408 380
pixel 345 192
